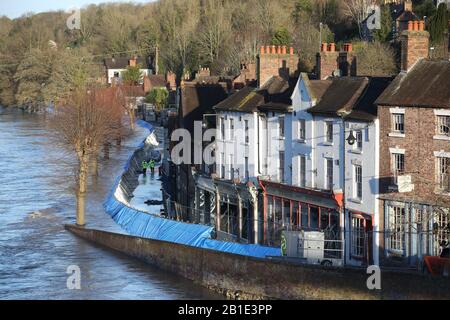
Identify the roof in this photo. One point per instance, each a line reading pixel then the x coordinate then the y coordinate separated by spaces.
pixel 426 84
pixel 340 96
pixel 350 97
pixel 123 63
pixel 157 80
pixel 407 16
pixel 195 96
pixel 274 95
pixel 365 108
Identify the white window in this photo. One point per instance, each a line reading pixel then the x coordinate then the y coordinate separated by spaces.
pixel 397 228
pixel 281 126
pixel 398 123
pixel 222 128
pixel 443 173
pixel 443 125
pixel 222 165
pixel 247 138
pixel 329 174
pixel 329 131
pixel 359 140
pixel 302 130
pixel 398 165
pixel 247 173
pixel 231 128
pixel 358 237
pixel 358 182
pixel 231 167
pixel 281 167
pixel 302 173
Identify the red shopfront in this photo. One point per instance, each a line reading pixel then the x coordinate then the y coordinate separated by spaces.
pixel 292 208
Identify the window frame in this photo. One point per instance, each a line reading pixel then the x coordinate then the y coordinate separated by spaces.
pixel 329 174
pixel 329 134
pixel 302 130
pixel 357 183
pixel 443 125
pixel 396 125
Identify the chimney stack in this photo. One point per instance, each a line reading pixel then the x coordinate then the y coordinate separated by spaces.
pixel 133 62
pixel 408 6
pixel 329 60
pixel 415 44
pixel 276 61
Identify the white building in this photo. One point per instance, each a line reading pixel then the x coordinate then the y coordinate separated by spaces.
pixel 116 66
pixel 325 113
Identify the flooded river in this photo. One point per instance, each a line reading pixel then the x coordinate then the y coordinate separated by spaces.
pixel 36 200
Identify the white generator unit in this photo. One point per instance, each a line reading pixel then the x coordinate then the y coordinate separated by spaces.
pixel 307 245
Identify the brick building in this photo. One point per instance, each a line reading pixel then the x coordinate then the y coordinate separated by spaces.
pixel 414 114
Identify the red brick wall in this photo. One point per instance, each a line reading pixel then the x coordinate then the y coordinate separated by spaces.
pixel 327 63
pixel 415 45
pixel 419 145
pixel 276 65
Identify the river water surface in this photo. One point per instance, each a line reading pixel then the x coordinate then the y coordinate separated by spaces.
pixel 36 200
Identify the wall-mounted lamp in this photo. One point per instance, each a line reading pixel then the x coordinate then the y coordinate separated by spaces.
pixel 351 138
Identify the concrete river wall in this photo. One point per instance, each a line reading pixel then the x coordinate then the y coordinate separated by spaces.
pixel 244 277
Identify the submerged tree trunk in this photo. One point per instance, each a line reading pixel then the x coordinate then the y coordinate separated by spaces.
pixel 106 150
pixel 132 118
pixel 82 189
pixel 94 162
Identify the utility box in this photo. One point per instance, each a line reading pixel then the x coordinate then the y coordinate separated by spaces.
pixel 308 245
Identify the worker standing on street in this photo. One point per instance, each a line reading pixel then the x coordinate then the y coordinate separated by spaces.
pixel 152 166
pixel 144 167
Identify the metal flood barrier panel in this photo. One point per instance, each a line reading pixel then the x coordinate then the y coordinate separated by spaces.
pixel 145 225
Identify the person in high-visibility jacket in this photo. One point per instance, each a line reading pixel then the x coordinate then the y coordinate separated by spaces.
pixel 144 167
pixel 152 166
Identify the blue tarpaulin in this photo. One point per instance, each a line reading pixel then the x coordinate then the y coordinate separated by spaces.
pixel 142 224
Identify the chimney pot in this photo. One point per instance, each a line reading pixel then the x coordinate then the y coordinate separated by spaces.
pixel 421 25
pixel 267 49
pixel 416 25
pixel 349 47
pixel 279 50
pixel 291 51
pixel 274 50
pixel 283 50
pixel 332 47
pixel 263 50
pixel 410 26
pixel 324 47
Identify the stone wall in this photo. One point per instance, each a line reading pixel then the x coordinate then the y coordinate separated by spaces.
pixel 249 278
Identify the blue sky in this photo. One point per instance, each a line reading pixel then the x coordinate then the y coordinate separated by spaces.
pixel 15 8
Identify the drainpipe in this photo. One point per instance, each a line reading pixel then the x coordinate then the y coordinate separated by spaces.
pixel 343 140
pixel 264 209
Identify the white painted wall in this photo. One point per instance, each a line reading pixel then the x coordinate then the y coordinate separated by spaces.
pixel 111 72
pixel 368 158
pixel 316 150
pixel 234 147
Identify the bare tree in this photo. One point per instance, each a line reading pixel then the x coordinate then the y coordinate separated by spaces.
pixel 357 11
pixel 81 125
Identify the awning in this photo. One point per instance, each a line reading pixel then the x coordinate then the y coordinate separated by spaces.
pixel 313 197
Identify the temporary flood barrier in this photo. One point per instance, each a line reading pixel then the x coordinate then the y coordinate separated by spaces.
pixel 146 225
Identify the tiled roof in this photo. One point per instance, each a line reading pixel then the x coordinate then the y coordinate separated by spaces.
pixel 427 84
pixel 274 95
